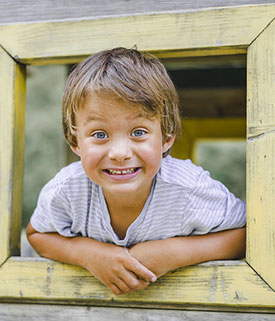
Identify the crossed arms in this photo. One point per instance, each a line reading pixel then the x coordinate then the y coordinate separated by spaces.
pixel 124 270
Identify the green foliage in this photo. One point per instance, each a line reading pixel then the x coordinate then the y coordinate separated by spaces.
pixel 226 162
pixel 43 137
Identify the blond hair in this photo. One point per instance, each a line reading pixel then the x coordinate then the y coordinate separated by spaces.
pixel 128 74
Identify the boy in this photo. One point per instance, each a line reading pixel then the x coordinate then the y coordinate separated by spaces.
pixel 129 212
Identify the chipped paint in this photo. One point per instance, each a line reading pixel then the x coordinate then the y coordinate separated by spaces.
pixel 50 270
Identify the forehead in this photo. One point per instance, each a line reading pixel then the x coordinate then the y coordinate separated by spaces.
pixel 102 105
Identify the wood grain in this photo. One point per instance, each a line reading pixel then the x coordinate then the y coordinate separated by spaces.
pixel 38 312
pixel 261 154
pixel 12 93
pixel 177 34
pixel 13 11
pixel 224 285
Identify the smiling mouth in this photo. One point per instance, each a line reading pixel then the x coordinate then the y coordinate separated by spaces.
pixel 122 171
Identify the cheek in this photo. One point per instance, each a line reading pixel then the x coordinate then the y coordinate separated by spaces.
pixel 90 158
pixel 152 155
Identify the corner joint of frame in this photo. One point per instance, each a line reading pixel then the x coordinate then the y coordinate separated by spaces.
pixel 261 32
pixel 15 58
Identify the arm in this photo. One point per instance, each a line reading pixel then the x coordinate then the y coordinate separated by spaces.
pixel 109 263
pixel 163 256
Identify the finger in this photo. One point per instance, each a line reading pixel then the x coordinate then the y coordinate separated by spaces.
pixel 140 270
pixel 115 289
pixel 122 286
pixel 133 282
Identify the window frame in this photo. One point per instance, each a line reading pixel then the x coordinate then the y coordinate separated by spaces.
pixel 223 285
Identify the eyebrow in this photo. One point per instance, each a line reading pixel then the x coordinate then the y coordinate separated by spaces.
pixel 93 118
pixel 101 118
pixel 140 115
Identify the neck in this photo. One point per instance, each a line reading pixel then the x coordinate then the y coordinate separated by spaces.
pixel 123 211
pixel 125 202
pixel 127 205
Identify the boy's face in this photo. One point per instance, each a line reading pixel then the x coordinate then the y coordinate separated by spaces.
pixel 120 149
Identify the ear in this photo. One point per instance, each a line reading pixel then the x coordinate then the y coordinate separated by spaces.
pixel 76 150
pixel 168 143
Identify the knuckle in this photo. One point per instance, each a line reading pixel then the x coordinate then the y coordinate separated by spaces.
pixel 134 284
pixel 115 269
pixel 142 285
pixel 119 260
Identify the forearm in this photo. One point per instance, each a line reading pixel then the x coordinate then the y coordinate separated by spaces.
pixel 59 248
pixel 226 245
pixel 169 254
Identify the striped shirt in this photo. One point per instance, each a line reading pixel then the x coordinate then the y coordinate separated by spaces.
pixel 184 200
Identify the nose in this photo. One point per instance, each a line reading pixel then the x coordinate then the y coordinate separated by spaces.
pixel 120 150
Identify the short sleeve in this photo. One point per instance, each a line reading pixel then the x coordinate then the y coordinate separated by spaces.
pixel 212 208
pixel 52 213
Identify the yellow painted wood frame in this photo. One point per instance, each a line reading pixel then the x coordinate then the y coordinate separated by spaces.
pixel 239 285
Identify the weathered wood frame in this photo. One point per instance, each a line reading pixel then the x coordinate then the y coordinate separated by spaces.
pixel 240 285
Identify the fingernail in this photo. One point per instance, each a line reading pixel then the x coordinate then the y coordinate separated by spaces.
pixel 154 279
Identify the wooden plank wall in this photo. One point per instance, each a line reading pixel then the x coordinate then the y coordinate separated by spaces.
pixel 12 11
pixel 36 312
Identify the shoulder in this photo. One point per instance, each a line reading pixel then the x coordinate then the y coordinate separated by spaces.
pixel 72 171
pixel 68 179
pixel 179 172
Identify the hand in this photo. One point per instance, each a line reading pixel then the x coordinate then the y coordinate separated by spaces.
pixel 154 255
pixel 111 264
pixel 166 255
pixel 118 270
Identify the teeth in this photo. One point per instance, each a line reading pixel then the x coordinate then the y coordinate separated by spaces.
pixel 123 172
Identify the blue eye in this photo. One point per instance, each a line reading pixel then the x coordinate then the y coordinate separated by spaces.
pixel 100 135
pixel 138 133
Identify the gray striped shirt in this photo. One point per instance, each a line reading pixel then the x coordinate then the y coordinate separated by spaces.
pixel 184 200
